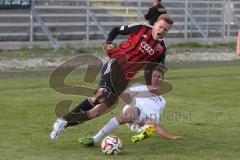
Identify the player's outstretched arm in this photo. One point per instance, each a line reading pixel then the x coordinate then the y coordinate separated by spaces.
pixel 162 132
pixel 122 30
pixel 147 130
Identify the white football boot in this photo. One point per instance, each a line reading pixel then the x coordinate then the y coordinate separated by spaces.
pixel 58 128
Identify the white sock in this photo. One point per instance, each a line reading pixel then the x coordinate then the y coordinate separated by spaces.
pixel 108 128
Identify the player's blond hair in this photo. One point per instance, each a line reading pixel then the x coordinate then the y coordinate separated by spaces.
pixel 166 18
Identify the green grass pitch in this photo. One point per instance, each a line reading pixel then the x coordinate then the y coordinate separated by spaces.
pixel 204 107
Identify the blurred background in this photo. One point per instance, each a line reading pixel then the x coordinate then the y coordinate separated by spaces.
pixel 38 36
pixel 44 33
pixel 87 22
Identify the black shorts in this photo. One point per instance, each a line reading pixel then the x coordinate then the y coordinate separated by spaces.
pixel 112 79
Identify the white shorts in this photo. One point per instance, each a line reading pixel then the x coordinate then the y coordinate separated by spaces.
pixel 145 114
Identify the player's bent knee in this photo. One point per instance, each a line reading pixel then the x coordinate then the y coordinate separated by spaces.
pixel 105 96
pixel 125 118
pixel 122 119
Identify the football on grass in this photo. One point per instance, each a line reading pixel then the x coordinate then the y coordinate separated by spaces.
pixel 111 145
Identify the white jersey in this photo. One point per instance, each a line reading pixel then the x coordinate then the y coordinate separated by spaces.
pixel 150 105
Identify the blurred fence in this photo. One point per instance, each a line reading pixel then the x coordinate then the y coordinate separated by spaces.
pixel 89 21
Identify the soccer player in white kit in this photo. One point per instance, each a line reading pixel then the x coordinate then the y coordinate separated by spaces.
pixel 142 115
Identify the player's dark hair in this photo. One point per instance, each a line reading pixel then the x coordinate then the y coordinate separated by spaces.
pixel 159 68
pixel 148 70
pixel 166 18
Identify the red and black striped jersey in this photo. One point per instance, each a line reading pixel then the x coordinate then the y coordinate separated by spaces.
pixel 140 48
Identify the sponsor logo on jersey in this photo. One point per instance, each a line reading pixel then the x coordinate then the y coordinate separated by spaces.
pixel 146 47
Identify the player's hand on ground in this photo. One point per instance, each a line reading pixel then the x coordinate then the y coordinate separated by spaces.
pixel 109 47
pixel 178 138
pixel 154 90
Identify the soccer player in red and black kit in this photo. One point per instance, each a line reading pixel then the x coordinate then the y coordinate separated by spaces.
pixel 144 45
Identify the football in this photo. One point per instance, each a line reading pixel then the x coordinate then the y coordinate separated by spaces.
pixel 111 145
